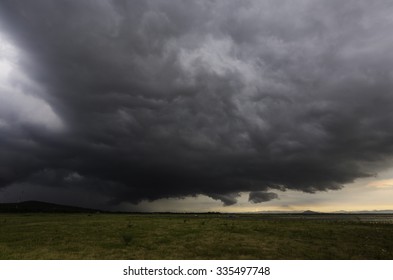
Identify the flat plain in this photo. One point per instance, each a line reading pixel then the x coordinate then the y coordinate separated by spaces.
pixel 195 236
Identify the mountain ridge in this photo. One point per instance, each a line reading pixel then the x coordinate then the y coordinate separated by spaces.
pixel 42 207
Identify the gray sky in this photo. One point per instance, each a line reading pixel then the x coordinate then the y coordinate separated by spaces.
pixel 243 104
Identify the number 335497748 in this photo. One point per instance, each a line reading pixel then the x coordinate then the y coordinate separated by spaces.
pixel 243 270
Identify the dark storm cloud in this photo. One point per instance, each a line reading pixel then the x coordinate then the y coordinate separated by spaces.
pixel 152 99
pixel 258 197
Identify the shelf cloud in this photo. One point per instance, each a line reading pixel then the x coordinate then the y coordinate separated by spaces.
pixel 142 100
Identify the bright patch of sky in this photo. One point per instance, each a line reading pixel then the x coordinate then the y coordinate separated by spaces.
pixel 17 104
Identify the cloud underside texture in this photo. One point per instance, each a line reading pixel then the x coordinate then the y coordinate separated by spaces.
pixel 154 99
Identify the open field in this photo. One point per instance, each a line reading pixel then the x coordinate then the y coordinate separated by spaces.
pixel 206 236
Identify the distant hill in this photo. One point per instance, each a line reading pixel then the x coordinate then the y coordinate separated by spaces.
pixel 309 212
pixel 43 207
pixel 365 212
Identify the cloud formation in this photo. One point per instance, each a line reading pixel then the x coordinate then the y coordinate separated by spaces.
pixel 144 100
pixel 258 197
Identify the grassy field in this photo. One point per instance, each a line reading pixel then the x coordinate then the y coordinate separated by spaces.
pixel 154 236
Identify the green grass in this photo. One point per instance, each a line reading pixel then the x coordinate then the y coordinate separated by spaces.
pixel 151 236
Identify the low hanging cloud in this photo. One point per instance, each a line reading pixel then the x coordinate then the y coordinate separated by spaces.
pixel 258 197
pixel 142 100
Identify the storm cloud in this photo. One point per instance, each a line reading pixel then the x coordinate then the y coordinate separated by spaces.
pixel 258 197
pixel 142 100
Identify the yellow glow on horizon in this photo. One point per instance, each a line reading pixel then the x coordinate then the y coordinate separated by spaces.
pixel 387 183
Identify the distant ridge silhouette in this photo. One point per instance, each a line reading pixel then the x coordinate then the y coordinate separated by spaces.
pixel 309 212
pixel 42 207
